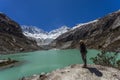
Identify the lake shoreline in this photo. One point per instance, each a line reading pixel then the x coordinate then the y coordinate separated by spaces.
pixel 73 72
pixel 8 64
pixel 43 61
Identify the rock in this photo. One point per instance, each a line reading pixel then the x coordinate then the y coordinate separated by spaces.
pixel 103 33
pixel 93 72
pixel 8 63
pixel 21 49
pixel 42 76
pixel 12 39
pixel 76 72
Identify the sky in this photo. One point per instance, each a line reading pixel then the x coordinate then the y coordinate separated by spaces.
pixel 52 14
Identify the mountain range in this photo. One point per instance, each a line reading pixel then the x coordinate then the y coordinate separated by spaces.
pixel 12 39
pixel 102 33
pixel 42 37
pixel 45 38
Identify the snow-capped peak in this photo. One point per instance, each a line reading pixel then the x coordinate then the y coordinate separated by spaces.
pixel 32 29
pixel 57 32
pixel 61 29
pixel 41 36
pixel 81 24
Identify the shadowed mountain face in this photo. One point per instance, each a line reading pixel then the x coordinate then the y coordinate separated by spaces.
pixel 103 33
pixel 11 37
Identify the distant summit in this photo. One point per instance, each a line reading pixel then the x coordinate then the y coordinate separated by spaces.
pixel 42 37
pixel 32 29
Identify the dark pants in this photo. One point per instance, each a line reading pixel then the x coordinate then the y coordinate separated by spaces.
pixel 83 54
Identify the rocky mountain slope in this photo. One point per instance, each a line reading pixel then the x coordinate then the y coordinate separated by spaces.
pixel 11 37
pixel 42 37
pixel 76 72
pixel 102 33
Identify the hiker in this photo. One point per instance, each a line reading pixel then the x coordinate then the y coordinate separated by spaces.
pixel 83 52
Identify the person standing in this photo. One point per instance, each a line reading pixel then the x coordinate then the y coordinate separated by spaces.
pixel 83 52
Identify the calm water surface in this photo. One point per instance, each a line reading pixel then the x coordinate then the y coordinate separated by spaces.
pixel 42 61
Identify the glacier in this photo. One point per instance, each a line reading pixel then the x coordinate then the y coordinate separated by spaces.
pixel 43 37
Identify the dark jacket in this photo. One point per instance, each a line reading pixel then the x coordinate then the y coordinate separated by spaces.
pixel 83 48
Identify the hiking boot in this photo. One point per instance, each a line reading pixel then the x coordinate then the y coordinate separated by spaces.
pixel 84 66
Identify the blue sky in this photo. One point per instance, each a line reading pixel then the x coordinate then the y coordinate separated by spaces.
pixel 51 14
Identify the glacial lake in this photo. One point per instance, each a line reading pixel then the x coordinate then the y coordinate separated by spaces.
pixel 42 61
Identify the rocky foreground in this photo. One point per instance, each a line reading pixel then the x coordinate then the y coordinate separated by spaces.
pixel 76 72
